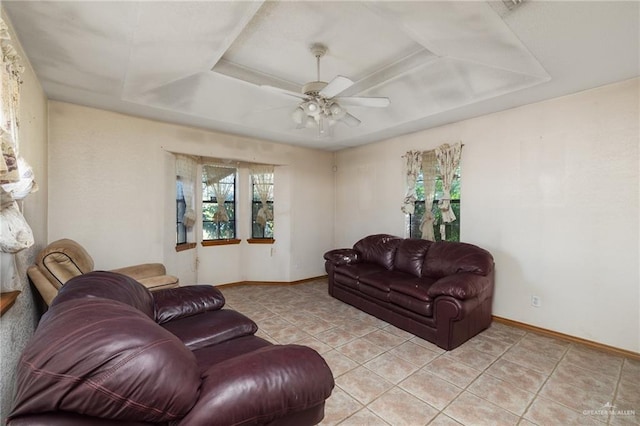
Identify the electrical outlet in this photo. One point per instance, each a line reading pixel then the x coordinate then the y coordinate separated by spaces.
pixel 536 301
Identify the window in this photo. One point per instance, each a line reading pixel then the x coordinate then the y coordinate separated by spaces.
pixel 181 208
pixel 453 228
pixel 218 203
pixel 262 202
pixel 186 172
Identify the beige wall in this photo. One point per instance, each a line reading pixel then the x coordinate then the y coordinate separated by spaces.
pixel 112 189
pixel 551 189
pixel 17 325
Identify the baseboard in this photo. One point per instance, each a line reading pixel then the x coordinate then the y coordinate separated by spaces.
pixel 550 333
pixel 239 283
pixel 568 338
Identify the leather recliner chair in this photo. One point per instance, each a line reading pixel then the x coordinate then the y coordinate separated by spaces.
pixel 64 259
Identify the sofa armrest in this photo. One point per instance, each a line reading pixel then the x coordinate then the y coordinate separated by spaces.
pixel 180 302
pixel 144 270
pixel 462 286
pixel 342 256
pixel 259 387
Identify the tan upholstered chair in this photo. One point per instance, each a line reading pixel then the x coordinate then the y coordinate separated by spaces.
pixel 64 259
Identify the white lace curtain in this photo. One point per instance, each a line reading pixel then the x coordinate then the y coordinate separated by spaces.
pixel 16 176
pixel 262 178
pixel 186 172
pixel 413 158
pixel 443 162
pixel 429 175
pixel 214 176
pixel 448 157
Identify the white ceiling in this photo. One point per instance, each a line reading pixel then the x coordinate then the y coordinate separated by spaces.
pixel 202 63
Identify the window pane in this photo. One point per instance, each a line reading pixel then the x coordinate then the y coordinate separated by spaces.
pixel 181 207
pixel 452 229
pixel 218 203
pixel 262 221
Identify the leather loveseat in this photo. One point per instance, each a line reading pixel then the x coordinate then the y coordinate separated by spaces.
pixel 110 352
pixel 439 291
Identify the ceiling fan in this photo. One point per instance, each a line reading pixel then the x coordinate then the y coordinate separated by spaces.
pixel 321 107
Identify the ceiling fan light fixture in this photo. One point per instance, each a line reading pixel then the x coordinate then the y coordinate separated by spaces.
pixel 298 115
pixel 311 107
pixel 310 122
pixel 336 111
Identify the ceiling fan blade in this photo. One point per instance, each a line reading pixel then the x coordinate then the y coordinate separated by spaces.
pixel 338 85
pixel 284 91
pixel 364 101
pixel 350 120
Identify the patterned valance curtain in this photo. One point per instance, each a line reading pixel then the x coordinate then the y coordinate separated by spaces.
pixel 448 157
pixel 262 178
pixel 186 172
pixel 214 176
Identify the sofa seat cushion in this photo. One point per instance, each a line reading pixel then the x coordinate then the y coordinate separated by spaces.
pixel 210 328
pixel 358 270
pixel 413 295
pixel 346 281
pixel 106 359
pixel 384 280
pixel 412 304
pixel 416 288
pixel 215 354
pixel 378 285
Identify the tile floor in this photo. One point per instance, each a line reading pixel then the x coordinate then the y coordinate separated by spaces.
pixel 386 376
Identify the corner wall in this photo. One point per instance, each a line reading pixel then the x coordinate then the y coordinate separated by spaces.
pixel 112 188
pixel 550 189
pixel 17 325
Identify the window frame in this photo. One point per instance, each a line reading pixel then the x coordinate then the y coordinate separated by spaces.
pixel 455 204
pixel 210 201
pixel 256 203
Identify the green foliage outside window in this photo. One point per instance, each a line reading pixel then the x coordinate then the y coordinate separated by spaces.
pixel 214 227
pixel 453 229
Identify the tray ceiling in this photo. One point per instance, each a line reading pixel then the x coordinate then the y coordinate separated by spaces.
pixel 203 63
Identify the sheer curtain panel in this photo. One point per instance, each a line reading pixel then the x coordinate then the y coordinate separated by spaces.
pixel 429 176
pixel 414 158
pixel 262 178
pixel 448 157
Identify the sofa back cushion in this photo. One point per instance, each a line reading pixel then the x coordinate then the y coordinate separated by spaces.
pixel 410 256
pixel 446 258
pixel 102 358
pixel 379 249
pixel 108 285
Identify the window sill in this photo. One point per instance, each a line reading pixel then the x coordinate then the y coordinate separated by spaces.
pixel 187 246
pixel 261 240
pixel 7 300
pixel 219 242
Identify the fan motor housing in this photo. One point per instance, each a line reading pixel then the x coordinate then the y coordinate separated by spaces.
pixel 313 88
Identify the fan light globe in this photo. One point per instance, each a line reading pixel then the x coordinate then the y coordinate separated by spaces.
pixel 298 115
pixel 337 112
pixel 311 107
pixel 310 123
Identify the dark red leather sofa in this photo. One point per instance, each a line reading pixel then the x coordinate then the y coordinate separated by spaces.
pixel 109 352
pixel 439 291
